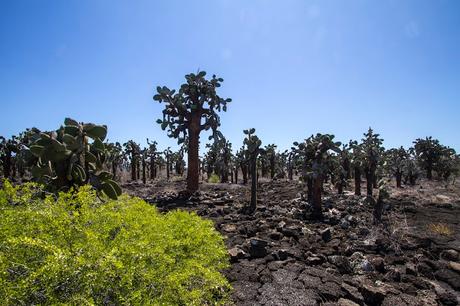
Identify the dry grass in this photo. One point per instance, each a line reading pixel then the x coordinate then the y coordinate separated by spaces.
pixel 440 229
pixel 398 229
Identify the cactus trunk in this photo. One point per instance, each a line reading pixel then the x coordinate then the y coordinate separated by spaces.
pixel 398 179
pixel 193 157
pixel 429 172
pixel 264 168
pixel 272 168
pixel 370 181
pixel 309 189
pixel 133 169
pixel 167 167
pixel 144 177
pixel 378 210
pixel 152 168
pixel 316 198
pixel 244 170
pixel 7 164
pixel 357 181
pixel 253 205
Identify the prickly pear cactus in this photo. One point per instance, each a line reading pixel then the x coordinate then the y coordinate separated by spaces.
pixel 73 156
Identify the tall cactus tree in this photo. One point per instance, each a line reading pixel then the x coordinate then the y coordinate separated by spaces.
pixel 411 169
pixel 345 158
pixel 189 111
pixel 115 157
pixel 270 153
pixel 252 145
pixel 320 145
pixel 143 157
pixel 303 156
pixel 211 158
pixel 429 152
pixel 372 146
pixel 177 159
pixel 242 163
pixel 234 166
pixel 23 159
pixel 357 163
pixel 290 164
pixel 133 151
pixel 338 171
pixel 395 159
pixel 8 147
pixel 167 153
pixel 152 153
pixel 225 157
pixel 448 164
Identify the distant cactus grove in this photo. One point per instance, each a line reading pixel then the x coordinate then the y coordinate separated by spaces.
pixel 78 154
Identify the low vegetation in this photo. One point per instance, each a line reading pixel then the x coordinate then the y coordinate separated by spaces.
pixel 76 249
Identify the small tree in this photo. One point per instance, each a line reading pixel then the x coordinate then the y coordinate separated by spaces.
pixel 189 111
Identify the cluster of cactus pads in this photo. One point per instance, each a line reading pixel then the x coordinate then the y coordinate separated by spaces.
pixel 73 156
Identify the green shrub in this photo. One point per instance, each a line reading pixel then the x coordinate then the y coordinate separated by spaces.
pixel 79 250
pixel 214 179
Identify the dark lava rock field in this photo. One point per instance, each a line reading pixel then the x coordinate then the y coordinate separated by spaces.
pixel 281 257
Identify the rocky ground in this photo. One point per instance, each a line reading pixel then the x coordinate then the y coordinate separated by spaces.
pixel 280 257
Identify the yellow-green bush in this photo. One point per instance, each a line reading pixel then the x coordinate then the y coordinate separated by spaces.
pixel 79 250
pixel 214 179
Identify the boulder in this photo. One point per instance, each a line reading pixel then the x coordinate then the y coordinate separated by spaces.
pixel 236 254
pixel 451 255
pixel 326 234
pixel 258 248
pixel 342 264
pixel 372 295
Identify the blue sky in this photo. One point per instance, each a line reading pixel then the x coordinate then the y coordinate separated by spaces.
pixel 292 68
